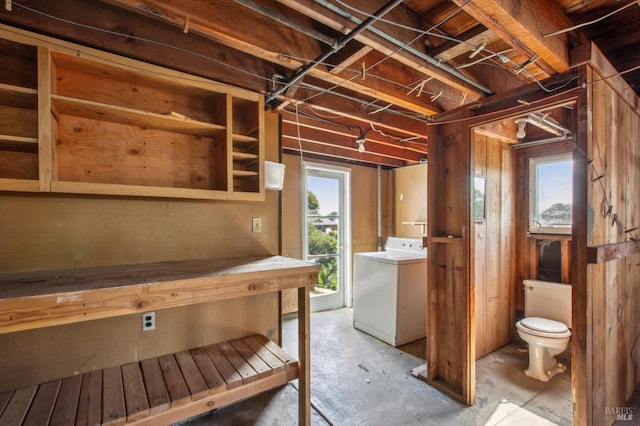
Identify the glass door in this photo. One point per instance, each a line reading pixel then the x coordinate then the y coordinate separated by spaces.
pixel 327 236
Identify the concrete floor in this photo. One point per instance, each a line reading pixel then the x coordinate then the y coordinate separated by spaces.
pixel 359 380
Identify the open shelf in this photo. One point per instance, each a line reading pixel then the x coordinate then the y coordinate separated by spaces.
pixel 132 117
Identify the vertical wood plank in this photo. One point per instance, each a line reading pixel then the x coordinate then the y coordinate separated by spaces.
pixel 45 125
pixel 304 354
pixel 157 392
pixel 64 412
pixel 90 402
pixel 113 408
pixel 195 382
pixel 214 380
pixel 252 358
pixel 42 404
pixel 17 407
pixel 178 390
pixel 224 367
pixel 135 396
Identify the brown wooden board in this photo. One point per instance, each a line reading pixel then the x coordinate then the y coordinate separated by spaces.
pixel 64 412
pixel 5 397
pixel 288 360
pixel 18 405
pixel 214 380
pixel 135 395
pixel 194 380
pixel 42 404
pixel 275 363
pixel 178 390
pixel 113 405
pixel 157 393
pixel 90 402
pixel 257 363
pixel 241 365
pixel 224 367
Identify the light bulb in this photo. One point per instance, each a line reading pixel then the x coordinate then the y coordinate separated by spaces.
pixel 361 146
pixel 521 130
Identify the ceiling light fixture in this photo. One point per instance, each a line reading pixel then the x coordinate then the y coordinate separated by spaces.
pixel 360 141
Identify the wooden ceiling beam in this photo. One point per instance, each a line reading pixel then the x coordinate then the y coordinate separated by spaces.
pixel 477 36
pixel 521 24
pixel 233 35
pixel 402 16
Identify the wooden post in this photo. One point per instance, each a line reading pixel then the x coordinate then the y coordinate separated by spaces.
pixel 304 352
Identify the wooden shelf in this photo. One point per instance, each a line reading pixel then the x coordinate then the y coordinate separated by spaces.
pixel 446 240
pixel 22 185
pixel 244 156
pixel 244 173
pixel 132 117
pixel 244 139
pixel 136 190
pixel 161 390
pixel 18 96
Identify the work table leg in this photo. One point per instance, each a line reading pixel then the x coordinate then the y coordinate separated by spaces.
pixel 304 357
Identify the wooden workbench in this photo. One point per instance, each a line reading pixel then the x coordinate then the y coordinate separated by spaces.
pixel 37 299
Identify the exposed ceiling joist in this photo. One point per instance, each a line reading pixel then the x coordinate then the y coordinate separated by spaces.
pixel 521 25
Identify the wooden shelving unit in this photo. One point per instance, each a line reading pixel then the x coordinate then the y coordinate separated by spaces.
pixel 77 120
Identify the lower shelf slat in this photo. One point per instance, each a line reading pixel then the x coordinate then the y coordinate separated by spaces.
pixel 160 390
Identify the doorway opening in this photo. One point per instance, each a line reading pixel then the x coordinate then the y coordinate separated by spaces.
pixel 326 224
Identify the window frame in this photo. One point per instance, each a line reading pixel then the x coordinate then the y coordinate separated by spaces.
pixel 534 162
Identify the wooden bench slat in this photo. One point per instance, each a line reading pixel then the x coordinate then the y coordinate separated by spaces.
pixel 90 401
pixel 178 390
pixel 195 382
pixel 42 404
pixel 64 412
pixel 288 360
pixel 224 367
pixel 215 382
pixel 157 392
pixel 4 400
pixel 18 406
pixel 113 409
pixel 275 363
pixel 135 396
pixel 252 358
pixel 241 365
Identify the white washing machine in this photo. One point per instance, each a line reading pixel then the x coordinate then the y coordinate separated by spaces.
pixel 390 291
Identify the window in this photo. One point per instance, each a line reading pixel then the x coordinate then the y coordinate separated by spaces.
pixel 550 194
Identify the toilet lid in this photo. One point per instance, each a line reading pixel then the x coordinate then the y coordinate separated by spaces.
pixel 544 325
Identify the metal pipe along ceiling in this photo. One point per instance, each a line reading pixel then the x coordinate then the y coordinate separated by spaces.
pixel 336 47
pixel 409 49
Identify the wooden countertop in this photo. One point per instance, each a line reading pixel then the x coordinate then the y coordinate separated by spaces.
pixel 52 297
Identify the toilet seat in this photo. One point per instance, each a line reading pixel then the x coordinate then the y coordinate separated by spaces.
pixel 544 327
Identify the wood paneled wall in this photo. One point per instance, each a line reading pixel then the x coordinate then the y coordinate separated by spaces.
pixel 493 248
pixel 609 214
pixel 45 231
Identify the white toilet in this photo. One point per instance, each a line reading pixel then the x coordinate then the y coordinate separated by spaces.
pixel 545 327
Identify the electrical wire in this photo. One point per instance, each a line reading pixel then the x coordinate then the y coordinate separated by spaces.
pixel 585 24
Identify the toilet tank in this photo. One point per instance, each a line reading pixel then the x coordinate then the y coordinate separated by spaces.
pixel 547 300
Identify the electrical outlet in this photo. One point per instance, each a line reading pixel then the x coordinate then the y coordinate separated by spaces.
pixel 256 224
pixel 148 321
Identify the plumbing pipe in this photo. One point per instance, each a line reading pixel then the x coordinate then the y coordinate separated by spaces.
pixel 409 49
pixel 379 208
pixel 337 46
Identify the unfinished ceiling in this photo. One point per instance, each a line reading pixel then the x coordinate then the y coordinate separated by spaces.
pixel 345 70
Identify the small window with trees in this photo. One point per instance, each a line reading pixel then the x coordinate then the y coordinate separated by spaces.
pixel 550 194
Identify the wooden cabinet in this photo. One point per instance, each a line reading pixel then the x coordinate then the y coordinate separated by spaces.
pixel 77 120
